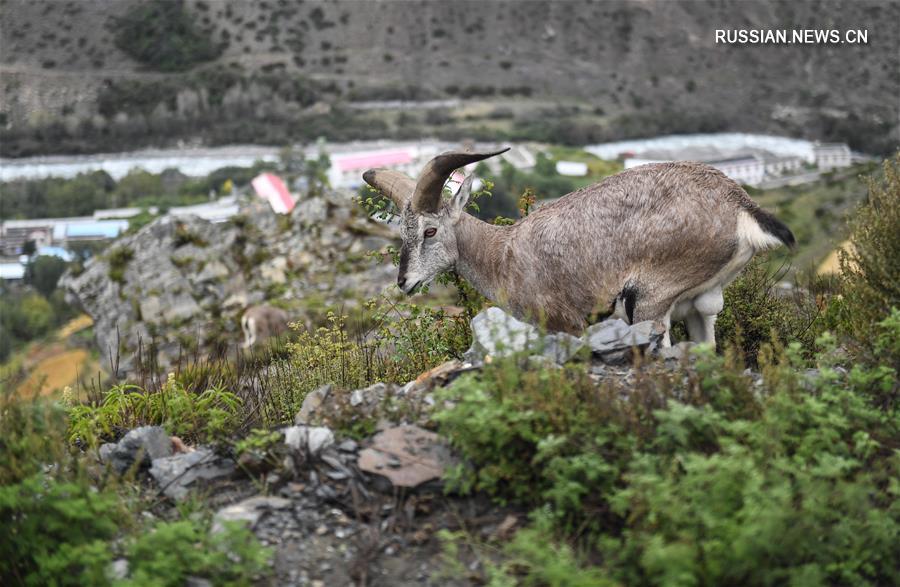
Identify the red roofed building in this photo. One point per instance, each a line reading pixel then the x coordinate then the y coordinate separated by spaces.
pixel 270 187
pixel 347 168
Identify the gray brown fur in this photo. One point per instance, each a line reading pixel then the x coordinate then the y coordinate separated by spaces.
pixel 669 235
pixel 262 322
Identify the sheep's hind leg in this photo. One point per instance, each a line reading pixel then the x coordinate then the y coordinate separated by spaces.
pixel 706 308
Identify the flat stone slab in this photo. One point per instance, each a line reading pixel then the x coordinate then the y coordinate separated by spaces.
pixel 178 474
pixel 407 456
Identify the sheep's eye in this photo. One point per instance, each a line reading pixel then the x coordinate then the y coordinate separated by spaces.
pixel 430 232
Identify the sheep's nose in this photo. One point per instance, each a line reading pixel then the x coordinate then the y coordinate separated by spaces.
pixel 401 281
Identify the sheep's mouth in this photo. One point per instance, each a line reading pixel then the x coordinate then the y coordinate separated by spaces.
pixel 412 289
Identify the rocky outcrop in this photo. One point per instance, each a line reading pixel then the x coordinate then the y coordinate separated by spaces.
pixel 183 283
pixel 612 342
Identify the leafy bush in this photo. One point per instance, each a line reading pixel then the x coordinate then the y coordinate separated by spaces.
pixel 118 259
pixel 64 525
pixel 698 477
pixel 871 268
pixel 170 552
pixel 161 35
pixel 44 272
pixel 754 312
pixel 57 532
pixel 204 416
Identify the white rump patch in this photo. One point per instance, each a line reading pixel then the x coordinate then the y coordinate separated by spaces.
pixel 751 233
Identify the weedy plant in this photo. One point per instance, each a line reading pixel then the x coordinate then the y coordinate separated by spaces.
pixel 207 415
pixel 697 477
pixel 65 522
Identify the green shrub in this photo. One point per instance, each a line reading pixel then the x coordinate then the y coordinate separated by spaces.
pixel 161 35
pixel 871 269
pixel 44 272
pixel 63 524
pixel 118 259
pixel 698 477
pixel 754 312
pixel 170 552
pixel 396 343
pixel 57 532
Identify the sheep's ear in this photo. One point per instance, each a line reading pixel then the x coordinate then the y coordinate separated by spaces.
pixel 461 199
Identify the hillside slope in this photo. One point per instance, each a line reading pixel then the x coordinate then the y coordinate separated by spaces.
pixel 569 71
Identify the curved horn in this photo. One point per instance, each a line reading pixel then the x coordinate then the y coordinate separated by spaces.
pixel 396 185
pixel 427 195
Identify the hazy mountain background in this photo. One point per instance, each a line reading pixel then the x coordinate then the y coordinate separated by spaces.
pixel 95 75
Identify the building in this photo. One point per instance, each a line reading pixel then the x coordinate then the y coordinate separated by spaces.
pixel 744 169
pixel 572 168
pixel 45 232
pixel 832 156
pixel 217 211
pixel 747 169
pixel 12 271
pixel 347 168
pixel 777 165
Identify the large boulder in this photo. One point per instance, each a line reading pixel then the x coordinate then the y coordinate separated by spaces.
pixel 186 281
pixel 497 334
pixel 141 445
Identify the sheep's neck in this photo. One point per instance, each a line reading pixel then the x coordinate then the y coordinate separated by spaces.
pixel 483 255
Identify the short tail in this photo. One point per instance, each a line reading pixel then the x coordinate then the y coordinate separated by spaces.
pixel 762 230
pixel 775 227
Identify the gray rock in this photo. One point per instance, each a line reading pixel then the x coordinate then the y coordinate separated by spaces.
pixel 117 570
pixel 145 443
pixel 311 440
pixel 178 474
pixel 186 276
pixel 561 347
pixel 248 511
pixel 497 334
pixel 613 341
pixel 607 335
pixel 312 405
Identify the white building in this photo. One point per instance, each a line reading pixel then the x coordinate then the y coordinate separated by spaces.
pixel 747 170
pixel 832 156
pixel 217 211
pixel 572 168
pixel 744 169
pixel 781 165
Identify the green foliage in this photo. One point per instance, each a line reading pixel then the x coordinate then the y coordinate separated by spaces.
pixel 754 312
pixel 44 272
pixel 208 415
pixel 173 551
pixel 392 343
pixel 56 197
pixel 692 478
pixel 26 315
pixel 871 268
pixel 138 184
pixel 184 236
pixel 162 35
pixel 118 259
pixel 63 524
pixel 57 532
